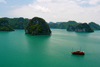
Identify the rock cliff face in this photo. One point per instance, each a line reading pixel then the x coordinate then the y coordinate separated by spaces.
pixel 70 28
pixel 19 23
pixel 37 26
pixel 83 28
pixel 94 26
pixel 4 25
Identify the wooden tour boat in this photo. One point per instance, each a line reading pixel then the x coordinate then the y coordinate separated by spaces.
pixel 78 52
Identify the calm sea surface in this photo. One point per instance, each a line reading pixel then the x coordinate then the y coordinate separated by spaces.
pixel 18 49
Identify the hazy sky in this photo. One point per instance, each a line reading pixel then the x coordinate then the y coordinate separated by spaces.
pixel 52 10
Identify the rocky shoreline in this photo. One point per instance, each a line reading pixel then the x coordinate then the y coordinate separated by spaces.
pixel 80 28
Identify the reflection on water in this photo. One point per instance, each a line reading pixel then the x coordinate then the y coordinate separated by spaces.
pixel 18 49
pixel 5 32
pixel 78 56
pixel 86 34
pixel 37 43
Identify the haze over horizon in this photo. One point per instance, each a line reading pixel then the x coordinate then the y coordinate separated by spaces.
pixel 53 10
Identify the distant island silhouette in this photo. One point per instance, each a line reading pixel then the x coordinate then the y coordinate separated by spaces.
pixel 4 25
pixel 21 23
pixel 83 27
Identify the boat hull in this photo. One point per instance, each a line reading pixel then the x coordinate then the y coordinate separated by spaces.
pixel 78 52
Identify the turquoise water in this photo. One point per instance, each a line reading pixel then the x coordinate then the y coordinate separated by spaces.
pixel 18 49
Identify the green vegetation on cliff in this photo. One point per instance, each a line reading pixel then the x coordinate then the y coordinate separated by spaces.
pixel 21 23
pixel 83 28
pixel 94 26
pixel 4 25
pixel 53 25
pixel 63 25
pixel 37 26
pixel 18 23
pixel 70 28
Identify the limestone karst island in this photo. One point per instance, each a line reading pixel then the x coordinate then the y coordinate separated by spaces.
pixel 4 25
pixel 83 28
pixel 37 26
pixel 80 28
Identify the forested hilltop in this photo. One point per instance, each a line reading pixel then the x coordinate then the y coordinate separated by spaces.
pixel 18 23
pixel 4 25
pixel 21 23
pixel 37 26
pixel 64 25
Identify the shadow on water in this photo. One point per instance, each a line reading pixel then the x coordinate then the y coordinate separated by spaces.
pixel 70 31
pixel 80 33
pixel 37 43
pixel 78 56
pixel 5 32
pixel 83 33
pixel 38 36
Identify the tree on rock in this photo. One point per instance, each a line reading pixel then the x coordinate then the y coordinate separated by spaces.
pixel 37 26
pixel 83 28
pixel 4 25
